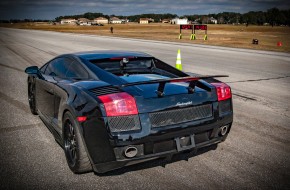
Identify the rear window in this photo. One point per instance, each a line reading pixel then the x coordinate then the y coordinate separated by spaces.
pixel 115 64
pixel 140 65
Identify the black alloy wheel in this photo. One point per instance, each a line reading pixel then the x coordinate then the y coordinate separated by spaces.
pixel 74 148
pixel 70 143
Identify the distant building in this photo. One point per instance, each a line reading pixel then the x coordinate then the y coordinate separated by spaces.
pixel 84 22
pixel 68 21
pixel 101 20
pixel 213 20
pixel 145 20
pixel 166 21
pixel 195 22
pixel 116 20
pixel 179 21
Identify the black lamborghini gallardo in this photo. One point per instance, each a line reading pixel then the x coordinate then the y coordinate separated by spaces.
pixel 110 109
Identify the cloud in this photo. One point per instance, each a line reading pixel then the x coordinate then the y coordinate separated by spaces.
pixel 49 9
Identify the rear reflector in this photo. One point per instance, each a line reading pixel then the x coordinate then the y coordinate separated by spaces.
pixel 119 104
pixel 223 91
pixel 81 118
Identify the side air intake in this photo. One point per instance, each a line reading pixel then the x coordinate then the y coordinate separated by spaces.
pixel 104 90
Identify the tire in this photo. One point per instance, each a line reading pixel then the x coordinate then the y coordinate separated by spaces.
pixel 75 152
pixel 31 98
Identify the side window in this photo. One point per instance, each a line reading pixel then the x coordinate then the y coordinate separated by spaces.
pixel 76 70
pixel 58 67
pixel 42 69
pixel 49 68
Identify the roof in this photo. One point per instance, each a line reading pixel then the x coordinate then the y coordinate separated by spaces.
pixel 180 18
pixel 83 19
pixel 101 18
pixel 144 19
pixel 115 18
pixel 90 55
pixel 67 19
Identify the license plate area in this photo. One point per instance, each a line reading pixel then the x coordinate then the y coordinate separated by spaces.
pixel 184 143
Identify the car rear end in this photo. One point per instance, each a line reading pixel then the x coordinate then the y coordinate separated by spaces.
pixel 147 109
pixel 143 125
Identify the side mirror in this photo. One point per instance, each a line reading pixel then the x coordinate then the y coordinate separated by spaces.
pixel 32 70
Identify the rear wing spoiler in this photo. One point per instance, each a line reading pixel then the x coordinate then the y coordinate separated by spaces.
pixel 162 82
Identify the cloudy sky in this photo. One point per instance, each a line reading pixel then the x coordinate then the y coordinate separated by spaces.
pixel 50 9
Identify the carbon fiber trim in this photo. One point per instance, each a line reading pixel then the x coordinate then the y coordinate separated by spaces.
pixel 171 117
pixel 124 123
pixel 225 106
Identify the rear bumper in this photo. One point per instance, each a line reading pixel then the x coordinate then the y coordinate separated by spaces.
pixel 121 161
pixel 153 147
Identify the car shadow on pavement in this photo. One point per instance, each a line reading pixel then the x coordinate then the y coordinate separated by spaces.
pixel 159 162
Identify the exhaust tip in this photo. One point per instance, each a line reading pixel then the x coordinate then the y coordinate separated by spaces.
pixel 223 130
pixel 130 152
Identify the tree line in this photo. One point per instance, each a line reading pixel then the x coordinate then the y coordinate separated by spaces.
pixel 132 18
pixel 273 17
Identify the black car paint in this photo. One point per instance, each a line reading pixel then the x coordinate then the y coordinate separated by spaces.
pixel 55 96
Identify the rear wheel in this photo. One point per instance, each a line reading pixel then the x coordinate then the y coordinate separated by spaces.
pixel 31 98
pixel 75 152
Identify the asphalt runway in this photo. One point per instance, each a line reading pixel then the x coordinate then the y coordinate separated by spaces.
pixel 256 154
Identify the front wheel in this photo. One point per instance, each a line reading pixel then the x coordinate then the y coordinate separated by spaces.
pixel 76 155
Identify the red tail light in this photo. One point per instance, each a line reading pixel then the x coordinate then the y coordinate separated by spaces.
pixel 119 104
pixel 223 91
pixel 81 118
